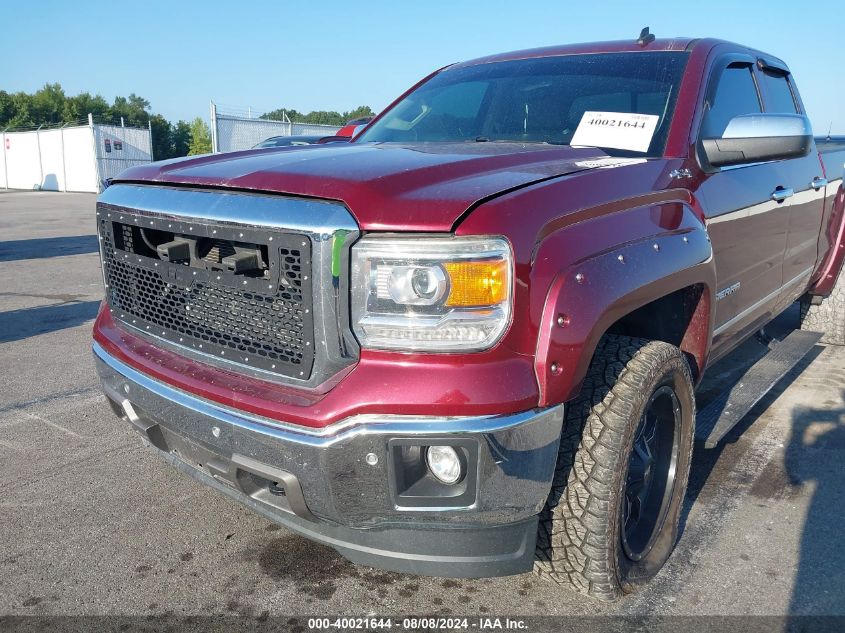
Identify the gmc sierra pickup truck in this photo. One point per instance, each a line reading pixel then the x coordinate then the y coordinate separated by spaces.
pixel 467 343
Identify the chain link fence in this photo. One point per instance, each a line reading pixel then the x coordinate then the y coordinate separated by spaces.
pixel 233 130
pixel 119 148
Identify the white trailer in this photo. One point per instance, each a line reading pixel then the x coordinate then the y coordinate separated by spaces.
pixel 71 158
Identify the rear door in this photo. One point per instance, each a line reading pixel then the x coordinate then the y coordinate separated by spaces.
pixel 804 178
pixel 747 227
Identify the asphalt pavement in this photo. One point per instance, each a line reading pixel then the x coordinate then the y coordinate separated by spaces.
pixel 93 523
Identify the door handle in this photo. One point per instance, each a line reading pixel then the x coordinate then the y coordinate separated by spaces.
pixel 780 194
pixel 817 183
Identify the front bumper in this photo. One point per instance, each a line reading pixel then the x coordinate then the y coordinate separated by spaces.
pixel 338 485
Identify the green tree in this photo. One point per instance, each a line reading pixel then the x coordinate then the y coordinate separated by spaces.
pixel 280 113
pixel 358 113
pixel 79 107
pixel 7 108
pixel 162 137
pixel 324 117
pixel 200 138
pixel 181 138
pixel 22 108
pixel 134 110
pixel 169 140
pixel 47 104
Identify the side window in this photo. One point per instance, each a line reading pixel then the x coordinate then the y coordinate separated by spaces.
pixel 779 97
pixel 735 94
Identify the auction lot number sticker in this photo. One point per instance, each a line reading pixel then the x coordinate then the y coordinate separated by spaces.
pixel 619 130
pixel 417 623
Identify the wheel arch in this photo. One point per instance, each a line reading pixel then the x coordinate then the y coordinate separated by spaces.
pixel 661 288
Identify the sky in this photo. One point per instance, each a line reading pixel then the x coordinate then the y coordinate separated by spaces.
pixel 328 55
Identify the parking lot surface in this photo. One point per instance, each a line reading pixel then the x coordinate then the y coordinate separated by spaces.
pixel 91 522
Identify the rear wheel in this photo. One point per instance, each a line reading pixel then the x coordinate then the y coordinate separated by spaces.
pixel 828 317
pixel 612 517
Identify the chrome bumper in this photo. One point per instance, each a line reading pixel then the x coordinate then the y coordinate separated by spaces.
pixel 337 485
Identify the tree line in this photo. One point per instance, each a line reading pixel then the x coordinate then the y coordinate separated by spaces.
pixel 326 117
pixel 50 106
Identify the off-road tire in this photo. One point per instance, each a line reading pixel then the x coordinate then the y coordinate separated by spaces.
pixel 579 541
pixel 829 316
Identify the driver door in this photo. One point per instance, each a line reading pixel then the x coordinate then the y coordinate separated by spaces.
pixel 747 218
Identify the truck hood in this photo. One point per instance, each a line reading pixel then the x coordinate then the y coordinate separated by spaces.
pixel 424 187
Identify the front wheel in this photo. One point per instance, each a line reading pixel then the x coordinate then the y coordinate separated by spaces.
pixel 612 517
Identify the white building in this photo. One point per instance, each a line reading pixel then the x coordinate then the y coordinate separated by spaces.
pixel 75 158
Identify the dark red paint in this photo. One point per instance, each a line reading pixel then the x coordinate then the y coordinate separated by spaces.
pixel 593 244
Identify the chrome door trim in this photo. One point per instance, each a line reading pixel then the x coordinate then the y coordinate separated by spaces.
pixel 764 300
pixel 765 206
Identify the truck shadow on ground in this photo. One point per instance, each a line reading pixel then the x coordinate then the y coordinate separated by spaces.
pixel 16 325
pixel 14 250
pixel 814 457
pixel 814 453
pixel 704 460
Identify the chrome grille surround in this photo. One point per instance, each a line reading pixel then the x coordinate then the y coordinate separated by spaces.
pixel 324 228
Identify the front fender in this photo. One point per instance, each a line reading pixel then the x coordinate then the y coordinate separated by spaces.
pixel 590 294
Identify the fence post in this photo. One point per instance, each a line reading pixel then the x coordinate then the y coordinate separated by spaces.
pixel 40 160
pixel 94 147
pixel 64 168
pixel 5 159
pixel 150 126
pixel 213 128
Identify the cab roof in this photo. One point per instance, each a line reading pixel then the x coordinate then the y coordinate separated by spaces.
pixel 620 46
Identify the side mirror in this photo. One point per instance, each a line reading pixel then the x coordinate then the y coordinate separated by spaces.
pixel 756 138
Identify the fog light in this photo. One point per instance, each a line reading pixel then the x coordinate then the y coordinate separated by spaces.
pixel 444 463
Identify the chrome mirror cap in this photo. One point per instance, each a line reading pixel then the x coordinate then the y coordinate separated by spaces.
pixel 757 138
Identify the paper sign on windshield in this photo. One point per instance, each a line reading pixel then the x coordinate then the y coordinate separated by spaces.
pixel 619 130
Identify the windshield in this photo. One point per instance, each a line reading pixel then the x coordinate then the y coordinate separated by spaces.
pixel 543 100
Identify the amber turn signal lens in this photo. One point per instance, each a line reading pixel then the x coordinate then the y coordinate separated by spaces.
pixel 477 283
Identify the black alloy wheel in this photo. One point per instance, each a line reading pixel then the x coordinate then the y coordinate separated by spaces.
pixel 651 473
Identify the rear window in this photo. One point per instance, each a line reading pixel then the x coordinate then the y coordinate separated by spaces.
pixel 536 100
pixel 779 97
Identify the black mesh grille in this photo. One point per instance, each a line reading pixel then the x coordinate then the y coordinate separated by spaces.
pixel 215 311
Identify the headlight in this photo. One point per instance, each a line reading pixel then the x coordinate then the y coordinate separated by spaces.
pixel 439 294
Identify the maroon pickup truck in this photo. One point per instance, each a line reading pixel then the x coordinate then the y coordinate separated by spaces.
pixel 467 343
